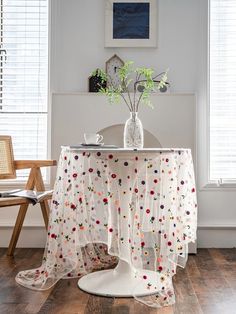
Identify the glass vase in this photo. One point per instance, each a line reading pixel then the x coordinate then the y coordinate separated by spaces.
pixel 133 132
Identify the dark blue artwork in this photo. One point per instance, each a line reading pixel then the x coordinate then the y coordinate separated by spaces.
pixel 131 20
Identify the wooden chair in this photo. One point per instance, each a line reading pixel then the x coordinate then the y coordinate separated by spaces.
pixel 8 167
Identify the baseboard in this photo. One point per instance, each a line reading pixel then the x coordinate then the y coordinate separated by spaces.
pixel 34 235
pixel 216 236
pixel 30 236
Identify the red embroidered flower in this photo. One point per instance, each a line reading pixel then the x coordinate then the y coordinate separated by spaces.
pixel 160 268
pixel 152 192
pixel 98 154
pixel 73 229
pixel 110 229
pixel 97 222
pixel 136 190
pixel 73 206
pixel 169 243
pixel 155 180
pixel 144 277
pixel 110 156
pixel 148 211
pixel 74 175
pixel 142 244
pixel 193 190
pixel 90 169
pixel 80 200
pixel 53 235
pixel 105 200
pixel 113 175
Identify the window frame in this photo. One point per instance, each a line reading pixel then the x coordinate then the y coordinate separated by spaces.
pixel 18 183
pixel 203 120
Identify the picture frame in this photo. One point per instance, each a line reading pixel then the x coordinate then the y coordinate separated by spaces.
pixel 130 23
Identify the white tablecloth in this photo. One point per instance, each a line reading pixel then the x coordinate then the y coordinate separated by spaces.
pixel 139 206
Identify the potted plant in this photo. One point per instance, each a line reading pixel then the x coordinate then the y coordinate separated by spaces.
pixel 134 88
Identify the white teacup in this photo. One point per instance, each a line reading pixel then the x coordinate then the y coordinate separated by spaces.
pixel 92 138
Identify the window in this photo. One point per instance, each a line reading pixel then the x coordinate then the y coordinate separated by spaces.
pixel 24 76
pixel 222 75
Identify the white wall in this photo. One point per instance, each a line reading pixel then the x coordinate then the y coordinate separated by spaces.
pixel 78 43
pixel 77 48
pixel 182 47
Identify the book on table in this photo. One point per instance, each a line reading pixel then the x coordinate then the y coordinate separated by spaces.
pixel 33 196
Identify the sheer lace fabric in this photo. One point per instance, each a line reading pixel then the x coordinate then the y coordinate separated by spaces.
pixel 136 206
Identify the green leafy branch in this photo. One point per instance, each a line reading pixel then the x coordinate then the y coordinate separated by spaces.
pixel 140 81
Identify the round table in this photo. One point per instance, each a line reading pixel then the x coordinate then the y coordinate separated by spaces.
pixel 141 204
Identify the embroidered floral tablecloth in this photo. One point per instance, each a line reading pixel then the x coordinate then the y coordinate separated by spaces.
pixel 139 206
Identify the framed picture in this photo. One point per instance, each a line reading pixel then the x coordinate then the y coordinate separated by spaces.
pixel 130 23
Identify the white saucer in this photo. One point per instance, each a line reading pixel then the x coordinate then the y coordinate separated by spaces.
pixel 92 144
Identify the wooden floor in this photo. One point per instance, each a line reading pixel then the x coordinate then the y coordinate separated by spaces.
pixel 206 285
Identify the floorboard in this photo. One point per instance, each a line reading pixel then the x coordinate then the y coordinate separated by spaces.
pixel 207 285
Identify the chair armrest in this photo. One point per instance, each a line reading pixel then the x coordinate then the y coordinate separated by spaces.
pixel 26 164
